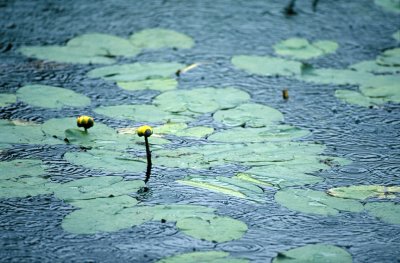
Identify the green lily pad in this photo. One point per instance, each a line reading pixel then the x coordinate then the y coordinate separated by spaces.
pixel 314 253
pixel 68 54
pixel 396 35
pixel 300 48
pixel 249 115
pixel 269 133
pixel 7 99
pixel 315 202
pixel 106 203
pixel 202 100
pixel 51 97
pixel 388 212
pixel 336 76
pixel 251 179
pixel 112 45
pixel 390 57
pixel 267 66
pixel 21 168
pixel 157 38
pixel 25 186
pixel 208 256
pixel 373 67
pixel 136 71
pixel 181 129
pixel 140 113
pixel 389 5
pixel 215 228
pixel 161 84
pixel 362 192
pixel 356 98
pixel 96 187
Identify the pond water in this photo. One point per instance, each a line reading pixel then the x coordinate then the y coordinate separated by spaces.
pixel 31 228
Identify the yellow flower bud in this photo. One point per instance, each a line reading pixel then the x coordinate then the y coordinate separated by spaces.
pixel 85 121
pixel 145 130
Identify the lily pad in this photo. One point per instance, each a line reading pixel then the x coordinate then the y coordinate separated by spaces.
pixel 373 67
pixel 356 98
pixel 208 256
pixel 267 66
pixel 161 84
pixel 389 5
pixel 362 192
pixel 315 202
pixel 300 48
pixel 314 253
pixel 136 71
pixel 51 97
pixel 388 212
pixel 96 187
pixel 117 202
pixel 216 228
pixel 21 168
pixel 336 76
pixel 25 186
pixel 396 35
pixel 202 100
pixel 390 57
pixel 269 133
pixel 107 160
pixel 249 115
pixel 140 113
pixel 7 99
pixel 181 129
pixel 157 38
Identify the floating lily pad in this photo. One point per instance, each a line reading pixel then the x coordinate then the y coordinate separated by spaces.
pixel 156 38
pixel 314 253
pixel 269 133
pixel 51 97
pixel 112 45
pixel 388 212
pixel 216 228
pixel 267 66
pixel 389 5
pixel 136 71
pixel 361 192
pixel 107 160
pixel 390 57
pixel 373 67
pixel 7 99
pixel 140 113
pixel 201 100
pixel 25 186
pixel 109 203
pixel 181 129
pixel 96 187
pixel 209 257
pixel 249 115
pixel 396 35
pixel 314 202
pixel 21 168
pixel 336 76
pixel 300 48
pixel 161 84
pixel 251 179
pixel 356 98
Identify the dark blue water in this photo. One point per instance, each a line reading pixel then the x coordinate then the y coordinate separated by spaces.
pixel 30 228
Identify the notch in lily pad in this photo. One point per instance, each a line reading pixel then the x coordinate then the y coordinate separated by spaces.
pixel 85 121
pixel 146 131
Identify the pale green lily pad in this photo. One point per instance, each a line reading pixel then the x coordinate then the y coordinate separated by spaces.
pixel 7 99
pixel 357 98
pixel 396 35
pixel 203 257
pixel 136 71
pixel 267 66
pixel 336 76
pixel 362 192
pixel 315 202
pixel 389 5
pixel 216 228
pixel 112 45
pixel 202 100
pixel 21 168
pixel 249 178
pixel 25 186
pixel 314 253
pixel 68 54
pixel 181 129
pixel 117 202
pixel 388 212
pixel 373 67
pixel 51 97
pixel 300 48
pixel 157 38
pixel 170 128
pixel 161 84
pixel 390 57
pixel 107 160
pixel 96 187
pixel 269 133
pixel 249 115
pixel 140 113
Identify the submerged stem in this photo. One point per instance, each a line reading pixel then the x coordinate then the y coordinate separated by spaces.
pixel 148 155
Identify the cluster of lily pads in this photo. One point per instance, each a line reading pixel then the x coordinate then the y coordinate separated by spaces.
pixel 377 79
pixel 252 135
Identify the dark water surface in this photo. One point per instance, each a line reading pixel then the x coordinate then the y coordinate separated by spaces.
pixel 31 227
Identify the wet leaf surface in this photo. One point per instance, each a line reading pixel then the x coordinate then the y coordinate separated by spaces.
pixel 388 212
pixel 300 48
pixel 160 84
pixel 362 192
pixel 157 38
pixel 208 256
pixel 7 99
